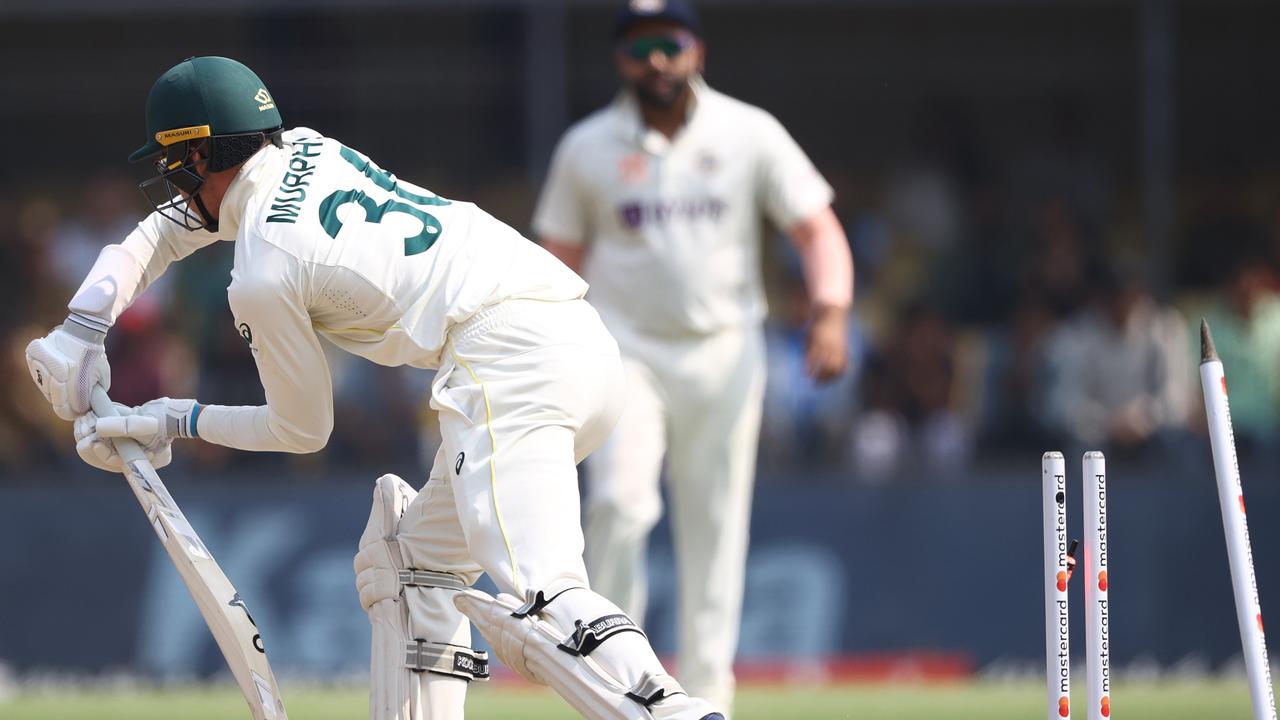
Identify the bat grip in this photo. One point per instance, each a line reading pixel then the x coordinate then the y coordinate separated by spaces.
pixel 128 448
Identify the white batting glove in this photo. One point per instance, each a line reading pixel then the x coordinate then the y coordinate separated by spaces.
pixel 101 452
pixel 161 420
pixel 68 362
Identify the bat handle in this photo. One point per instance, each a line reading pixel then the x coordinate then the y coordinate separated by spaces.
pixel 129 449
pixel 102 405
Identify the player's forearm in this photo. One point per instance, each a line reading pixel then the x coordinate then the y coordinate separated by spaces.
pixel 117 277
pixel 122 272
pixel 826 259
pixel 256 428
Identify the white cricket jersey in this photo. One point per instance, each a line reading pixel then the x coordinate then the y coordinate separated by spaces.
pixel 330 245
pixel 675 226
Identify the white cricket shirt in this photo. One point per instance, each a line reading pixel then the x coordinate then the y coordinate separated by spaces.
pixel 328 245
pixel 675 226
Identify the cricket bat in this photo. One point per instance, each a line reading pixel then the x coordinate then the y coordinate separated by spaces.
pixel 220 605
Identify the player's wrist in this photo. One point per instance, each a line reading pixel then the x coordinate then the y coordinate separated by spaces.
pixel 182 417
pixel 193 427
pixel 826 311
pixel 90 331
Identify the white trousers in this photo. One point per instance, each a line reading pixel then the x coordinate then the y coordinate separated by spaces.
pixel 697 401
pixel 527 389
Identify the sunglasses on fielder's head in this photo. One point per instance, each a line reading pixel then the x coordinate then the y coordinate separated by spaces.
pixel 671 45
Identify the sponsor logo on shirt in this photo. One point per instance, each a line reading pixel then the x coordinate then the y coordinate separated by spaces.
pixel 247 334
pixel 660 212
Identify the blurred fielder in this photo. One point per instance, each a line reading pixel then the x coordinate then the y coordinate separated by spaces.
pixel 330 246
pixel 660 198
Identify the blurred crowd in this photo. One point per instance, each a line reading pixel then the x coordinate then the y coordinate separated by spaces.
pixel 1000 311
pixel 1008 307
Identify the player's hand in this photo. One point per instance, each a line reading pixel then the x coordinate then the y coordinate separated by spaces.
pixel 67 363
pixel 159 421
pixel 1131 425
pixel 101 453
pixel 828 351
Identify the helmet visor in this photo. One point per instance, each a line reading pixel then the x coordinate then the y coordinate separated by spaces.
pixel 174 189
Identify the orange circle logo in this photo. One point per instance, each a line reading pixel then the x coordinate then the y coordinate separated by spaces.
pixel 1106 706
pixel 1062 581
pixel 1102 581
pixel 1064 707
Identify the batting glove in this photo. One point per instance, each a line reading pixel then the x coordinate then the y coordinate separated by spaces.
pixel 161 420
pixel 101 453
pixel 68 362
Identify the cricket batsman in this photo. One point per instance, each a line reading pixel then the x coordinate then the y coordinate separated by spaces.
pixel 660 198
pixel 330 247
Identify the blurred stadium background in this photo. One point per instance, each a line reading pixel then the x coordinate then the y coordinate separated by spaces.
pixel 1022 184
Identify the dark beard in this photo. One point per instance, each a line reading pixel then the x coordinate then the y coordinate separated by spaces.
pixel 660 101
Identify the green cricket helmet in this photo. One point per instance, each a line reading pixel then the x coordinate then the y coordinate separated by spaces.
pixel 213 105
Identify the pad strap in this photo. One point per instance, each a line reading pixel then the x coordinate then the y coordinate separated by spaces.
pixel 430 578
pixel 435 657
pixel 654 687
pixel 588 636
pixel 443 659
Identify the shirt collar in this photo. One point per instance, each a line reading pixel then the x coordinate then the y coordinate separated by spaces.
pixel 253 173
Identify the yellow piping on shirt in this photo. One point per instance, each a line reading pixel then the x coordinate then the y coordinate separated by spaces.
pixel 493 474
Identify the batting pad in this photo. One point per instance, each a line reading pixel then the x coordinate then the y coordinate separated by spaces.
pixel 536 650
pixel 421 661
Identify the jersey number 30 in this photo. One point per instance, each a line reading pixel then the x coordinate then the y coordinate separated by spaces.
pixel 374 212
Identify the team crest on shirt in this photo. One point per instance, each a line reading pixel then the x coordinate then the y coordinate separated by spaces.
pixel 708 163
pixel 634 169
